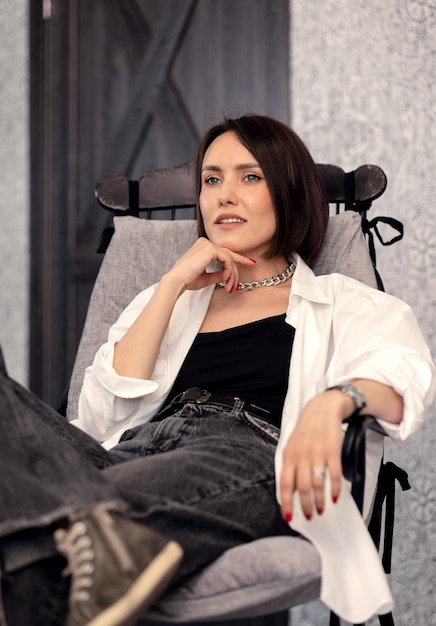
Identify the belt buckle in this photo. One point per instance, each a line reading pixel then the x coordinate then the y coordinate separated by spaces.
pixel 194 394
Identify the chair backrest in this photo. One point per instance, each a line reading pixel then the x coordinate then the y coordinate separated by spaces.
pixel 173 189
pixel 170 193
pixel 139 252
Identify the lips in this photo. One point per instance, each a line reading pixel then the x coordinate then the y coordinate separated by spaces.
pixel 229 219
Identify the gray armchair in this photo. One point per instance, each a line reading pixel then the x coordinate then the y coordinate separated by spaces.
pixel 253 583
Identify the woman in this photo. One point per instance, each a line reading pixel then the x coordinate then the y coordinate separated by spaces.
pixel 237 349
pixel 216 323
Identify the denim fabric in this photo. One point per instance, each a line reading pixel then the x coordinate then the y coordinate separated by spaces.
pixel 48 468
pixel 204 476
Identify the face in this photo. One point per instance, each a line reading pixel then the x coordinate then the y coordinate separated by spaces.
pixel 235 202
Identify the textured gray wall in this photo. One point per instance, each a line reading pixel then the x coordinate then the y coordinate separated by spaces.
pixel 364 91
pixel 14 186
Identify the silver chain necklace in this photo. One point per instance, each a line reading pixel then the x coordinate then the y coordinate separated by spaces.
pixel 266 282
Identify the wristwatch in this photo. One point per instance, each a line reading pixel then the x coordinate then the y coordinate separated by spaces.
pixel 355 394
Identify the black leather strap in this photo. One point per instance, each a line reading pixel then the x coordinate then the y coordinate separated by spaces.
pixel 133 198
pixel 353 454
pixel 349 190
pixel 388 475
pixel 371 228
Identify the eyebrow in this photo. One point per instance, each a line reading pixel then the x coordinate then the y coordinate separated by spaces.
pixel 241 166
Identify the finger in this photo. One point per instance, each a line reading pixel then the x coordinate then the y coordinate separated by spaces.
pixel 245 260
pixel 335 471
pixel 237 258
pixel 319 473
pixel 229 268
pixel 287 491
pixel 212 278
pixel 305 489
pixel 231 279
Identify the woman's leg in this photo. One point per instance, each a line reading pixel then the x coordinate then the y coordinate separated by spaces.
pixel 56 503
pixel 205 477
pixel 48 467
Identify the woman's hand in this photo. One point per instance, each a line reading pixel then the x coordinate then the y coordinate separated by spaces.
pixel 316 443
pixel 314 446
pixel 136 353
pixel 190 270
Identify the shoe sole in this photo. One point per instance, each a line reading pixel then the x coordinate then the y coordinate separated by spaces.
pixel 144 591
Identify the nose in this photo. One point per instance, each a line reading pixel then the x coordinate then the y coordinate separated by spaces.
pixel 227 194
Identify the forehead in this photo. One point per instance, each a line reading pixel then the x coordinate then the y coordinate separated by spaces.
pixel 227 147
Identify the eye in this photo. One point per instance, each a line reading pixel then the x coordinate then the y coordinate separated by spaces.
pixel 211 180
pixel 252 177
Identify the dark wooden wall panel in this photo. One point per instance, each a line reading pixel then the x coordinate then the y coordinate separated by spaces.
pixel 123 86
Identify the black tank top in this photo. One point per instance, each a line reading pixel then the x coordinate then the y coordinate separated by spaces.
pixel 249 361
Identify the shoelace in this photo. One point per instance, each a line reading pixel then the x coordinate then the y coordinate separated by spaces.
pixel 76 546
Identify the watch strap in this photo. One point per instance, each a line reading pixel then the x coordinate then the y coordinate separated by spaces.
pixel 353 392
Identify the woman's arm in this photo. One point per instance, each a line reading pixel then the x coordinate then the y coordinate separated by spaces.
pixel 317 439
pixel 136 353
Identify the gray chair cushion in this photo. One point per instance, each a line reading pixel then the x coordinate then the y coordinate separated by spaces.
pixel 247 581
pixel 139 253
pixel 255 578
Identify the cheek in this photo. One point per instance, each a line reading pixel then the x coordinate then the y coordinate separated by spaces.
pixel 268 211
pixel 202 201
pixel 203 204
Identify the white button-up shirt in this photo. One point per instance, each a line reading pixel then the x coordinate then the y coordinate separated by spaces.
pixel 345 330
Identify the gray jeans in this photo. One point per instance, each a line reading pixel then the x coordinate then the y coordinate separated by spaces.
pixel 203 476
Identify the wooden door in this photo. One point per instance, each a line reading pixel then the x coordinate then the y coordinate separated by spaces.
pixel 123 86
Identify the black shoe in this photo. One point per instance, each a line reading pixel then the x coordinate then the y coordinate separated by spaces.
pixel 118 568
pixel 36 594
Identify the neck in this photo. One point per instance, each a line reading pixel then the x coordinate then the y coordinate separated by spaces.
pixel 263 268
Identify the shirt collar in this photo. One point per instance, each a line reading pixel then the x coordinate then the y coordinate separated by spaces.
pixel 305 284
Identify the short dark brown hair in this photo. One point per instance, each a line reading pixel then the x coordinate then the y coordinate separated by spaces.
pixel 297 190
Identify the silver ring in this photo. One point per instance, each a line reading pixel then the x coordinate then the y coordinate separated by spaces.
pixel 320 472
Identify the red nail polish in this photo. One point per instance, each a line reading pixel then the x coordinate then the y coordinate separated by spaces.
pixel 320 511
pixel 335 499
pixel 288 518
pixel 252 260
pixel 308 516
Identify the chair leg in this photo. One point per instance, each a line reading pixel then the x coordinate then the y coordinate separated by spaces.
pixel 334 619
pixel 386 620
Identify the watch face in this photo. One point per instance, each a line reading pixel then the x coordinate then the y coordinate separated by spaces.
pixel 357 395
pixel 354 393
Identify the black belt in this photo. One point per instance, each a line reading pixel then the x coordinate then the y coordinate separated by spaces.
pixel 202 396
